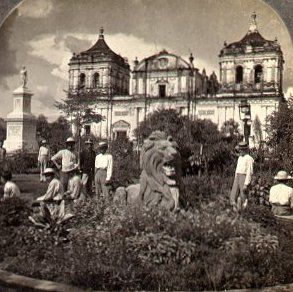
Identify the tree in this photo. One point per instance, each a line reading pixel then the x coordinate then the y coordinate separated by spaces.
pixel 191 136
pixel 257 130
pixel 59 131
pixel 280 136
pixel 43 127
pixel 2 129
pixel 126 163
pixel 80 110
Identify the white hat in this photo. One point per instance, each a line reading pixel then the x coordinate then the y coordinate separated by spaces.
pixel 282 175
pixel 89 141
pixel 103 144
pixel 70 167
pixel 70 140
pixel 44 141
pixel 49 171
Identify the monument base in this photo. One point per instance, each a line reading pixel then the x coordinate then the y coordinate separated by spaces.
pixel 21 135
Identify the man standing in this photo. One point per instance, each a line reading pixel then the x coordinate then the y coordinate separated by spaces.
pixel 87 165
pixel 43 159
pixel 67 157
pixel 243 173
pixel 103 170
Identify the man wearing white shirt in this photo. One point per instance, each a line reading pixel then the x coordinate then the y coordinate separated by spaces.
pixel 103 170
pixel 43 159
pixel 243 174
pixel 67 157
pixel 281 195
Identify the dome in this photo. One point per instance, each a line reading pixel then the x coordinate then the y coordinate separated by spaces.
pixel 252 42
pixel 162 61
pixel 100 51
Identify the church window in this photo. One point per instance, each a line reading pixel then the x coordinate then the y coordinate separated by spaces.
pixel 96 80
pixel 82 80
pixel 162 90
pixel 239 74
pixel 258 74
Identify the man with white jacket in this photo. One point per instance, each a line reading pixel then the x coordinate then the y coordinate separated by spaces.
pixel 242 179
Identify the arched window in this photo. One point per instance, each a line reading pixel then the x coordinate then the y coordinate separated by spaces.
pixel 239 74
pixel 96 80
pixel 82 80
pixel 258 74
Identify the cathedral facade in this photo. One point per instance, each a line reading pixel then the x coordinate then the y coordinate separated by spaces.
pixel 251 70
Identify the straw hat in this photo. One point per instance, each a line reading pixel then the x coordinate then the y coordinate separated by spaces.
pixel 49 171
pixel 70 140
pixel 89 141
pixel 103 144
pixel 243 145
pixel 70 167
pixel 282 175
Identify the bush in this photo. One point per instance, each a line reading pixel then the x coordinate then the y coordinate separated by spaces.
pixel 126 169
pixel 22 162
pixel 111 248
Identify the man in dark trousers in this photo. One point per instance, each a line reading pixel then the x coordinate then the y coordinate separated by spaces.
pixel 87 165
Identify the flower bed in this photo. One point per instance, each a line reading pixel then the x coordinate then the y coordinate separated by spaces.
pixel 106 247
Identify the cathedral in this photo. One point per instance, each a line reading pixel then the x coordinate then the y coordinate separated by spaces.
pixel 250 73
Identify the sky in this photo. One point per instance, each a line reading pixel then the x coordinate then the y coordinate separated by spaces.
pixel 43 34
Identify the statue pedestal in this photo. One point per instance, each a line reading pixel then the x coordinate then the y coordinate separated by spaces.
pixel 21 124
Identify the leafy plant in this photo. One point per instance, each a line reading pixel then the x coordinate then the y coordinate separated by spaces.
pixel 50 217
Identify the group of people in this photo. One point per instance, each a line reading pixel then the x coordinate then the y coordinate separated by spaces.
pixel 72 178
pixel 280 195
pixel 75 179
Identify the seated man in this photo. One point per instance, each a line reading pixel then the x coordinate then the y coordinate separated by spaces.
pixel 75 187
pixel 281 195
pixel 55 188
pixel 10 188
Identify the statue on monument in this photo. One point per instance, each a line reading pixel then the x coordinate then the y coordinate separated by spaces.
pixel 24 78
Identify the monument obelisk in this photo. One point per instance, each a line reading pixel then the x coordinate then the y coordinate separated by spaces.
pixel 21 123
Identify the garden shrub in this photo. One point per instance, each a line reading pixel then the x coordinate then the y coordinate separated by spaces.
pixel 22 162
pixel 108 247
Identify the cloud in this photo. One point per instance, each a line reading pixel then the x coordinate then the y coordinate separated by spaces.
pixel 7 54
pixel 35 8
pixel 57 51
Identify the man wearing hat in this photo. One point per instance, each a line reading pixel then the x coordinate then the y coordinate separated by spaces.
pixel 87 165
pixel 281 195
pixel 243 174
pixel 55 187
pixel 75 187
pixel 43 159
pixel 67 157
pixel 103 170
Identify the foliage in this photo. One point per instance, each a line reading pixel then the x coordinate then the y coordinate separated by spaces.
pixel 257 128
pixel 191 136
pixel 111 248
pixel 126 163
pixel 280 135
pixel 55 132
pixel 2 129
pixel 22 162
pixel 50 216
pixel 13 212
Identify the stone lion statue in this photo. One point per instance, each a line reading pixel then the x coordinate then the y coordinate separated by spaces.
pixel 160 181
